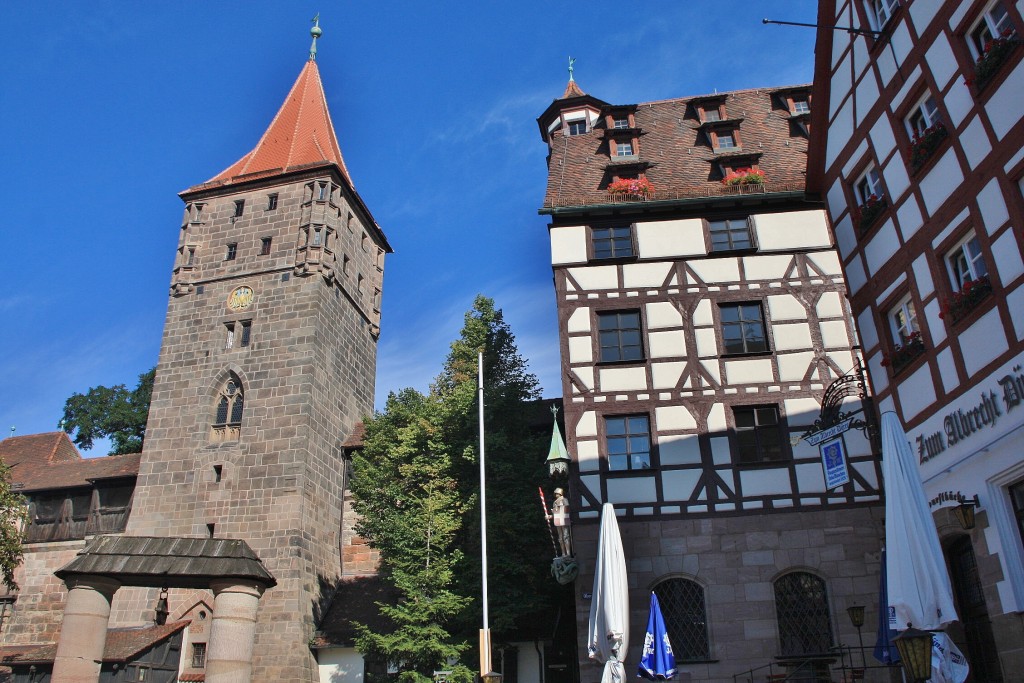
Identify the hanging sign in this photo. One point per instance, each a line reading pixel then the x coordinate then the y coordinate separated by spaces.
pixel 833 431
pixel 833 461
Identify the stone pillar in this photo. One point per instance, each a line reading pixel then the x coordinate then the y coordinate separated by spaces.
pixel 233 631
pixel 83 634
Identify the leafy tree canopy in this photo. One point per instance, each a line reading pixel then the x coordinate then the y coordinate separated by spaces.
pixel 113 412
pixel 13 515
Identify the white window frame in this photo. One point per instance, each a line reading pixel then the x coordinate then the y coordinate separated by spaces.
pixel 712 113
pixel 872 180
pixel 570 126
pixel 881 11
pixel 801 100
pixel 620 146
pixel 620 122
pixel 731 135
pixel 966 261
pixel 928 111
pixel 903 320
pixel 995 26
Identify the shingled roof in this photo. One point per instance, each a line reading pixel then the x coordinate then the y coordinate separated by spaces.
pixel 123 644
pixel 50 461
pixel 674 152
pixel 48 447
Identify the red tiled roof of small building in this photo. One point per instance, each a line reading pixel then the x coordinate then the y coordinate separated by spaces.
pixel 572 90
pixel 674 152
pixel 300 136
pixel 51 461
pixel 48 447
pixel 355 439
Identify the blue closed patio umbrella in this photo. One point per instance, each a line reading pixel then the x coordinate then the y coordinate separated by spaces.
pixel 885 650
pixel 658 663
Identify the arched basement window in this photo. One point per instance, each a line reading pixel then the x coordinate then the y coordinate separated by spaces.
pixel 801 607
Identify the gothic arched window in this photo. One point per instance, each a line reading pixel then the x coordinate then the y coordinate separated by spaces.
pixel 682 606
pixel 227 419
pixel 801 607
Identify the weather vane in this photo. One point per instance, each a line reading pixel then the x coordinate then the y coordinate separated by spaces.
pixel 316 32
pixel 571 62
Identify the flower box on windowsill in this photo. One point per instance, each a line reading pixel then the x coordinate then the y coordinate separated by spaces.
pixel 904 354
pixel 744 176
pixel 632 188
pixel 960 305
pixel 874 207
pixel 924 145
pixel 997 52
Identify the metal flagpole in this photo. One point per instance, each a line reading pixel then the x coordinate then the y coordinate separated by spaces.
pixel 485 632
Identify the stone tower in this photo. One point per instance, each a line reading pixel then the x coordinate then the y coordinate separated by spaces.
pixel 267 363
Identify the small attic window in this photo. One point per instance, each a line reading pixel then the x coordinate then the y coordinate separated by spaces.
pixel 577 127
pixel 239 207
pixel 620 122
pixel 711 112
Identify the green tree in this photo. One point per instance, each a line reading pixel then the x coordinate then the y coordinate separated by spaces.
pixel 113 412
pixel 13 515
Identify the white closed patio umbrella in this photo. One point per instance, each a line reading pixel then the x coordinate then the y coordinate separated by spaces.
pixel 918 584
pixel 608 630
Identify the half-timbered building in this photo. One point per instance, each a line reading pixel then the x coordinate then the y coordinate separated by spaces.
pixel 917 149
pixel 702 316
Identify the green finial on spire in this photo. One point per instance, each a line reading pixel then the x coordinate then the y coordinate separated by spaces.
pixel 316 32
pixel 571 62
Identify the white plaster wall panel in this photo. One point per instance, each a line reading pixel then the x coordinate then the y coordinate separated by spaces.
pixel 867 472
pixel 702 314
pixel 569 244
pixel 901 43
pixel 791 230
pixel 860 61
pixel 596 277
pixel 834 334
pixel 592 484
pixel 855 158
pixel 579 320
pixel 588 455
pixel 667 344
pixel 674 418
pixel 923 276
pixel 1015 302
pixel 766 267
pixel 632 490
pixel 974 142
pixel 575 115
pixel 1014 160
pixel 941 61
pixel 916 392
pixel 867 93
pixel 886 66
pixel 679 449
pixel 958 13
pixel 1003 108
pixel 663 314
pixel 950 227
pixel 846 238
pixel 581 350
pixel 922 14
pixel 909 85
pixel 947 370
pixel 934 322
pixel 644 275
pixel 982 342
pixel 896 179
pixel 748 371
pixel 827 261
pixel 830 305
pixel 791 337
pixel 340 664
pixel 679 484
pixel 658 239
pixel 712 368
pixel 1007 258
pixel 666 375
pixel 717 270
pixel 786 307
pixel 721 451
pixel 941 181
pixel 587 426
pixel 836 199
pixel 810 479
pixel 909 216
pixel 993 208
pixel 882 247
pixel 879 375
pixel 882 138
pixel 793 366
pixel 623 379
pixel 586 376
pixel 842 359
pixel 959 103
pixel 840 130
pixel 887 292
pixel 868 331
pixel 716 418
pixel 856 277
pixel 764 482
pixel 707 345
pixel 841 83
pixel 801 412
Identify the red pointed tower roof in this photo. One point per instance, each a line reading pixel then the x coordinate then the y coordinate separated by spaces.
pixel 572 90
pixel 301 135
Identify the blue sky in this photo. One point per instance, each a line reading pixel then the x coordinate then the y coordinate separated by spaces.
pixel 109 109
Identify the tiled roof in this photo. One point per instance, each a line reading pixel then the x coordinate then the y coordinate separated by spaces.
pixel 47 447
pixel 572 90
pixel 301 135
pixel 355 439
pixel 122 645
pixel 354 601
pixel 51 461
pixel 674 152
pixel 192 678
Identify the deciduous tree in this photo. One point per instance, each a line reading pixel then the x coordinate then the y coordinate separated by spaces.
pixel 115 412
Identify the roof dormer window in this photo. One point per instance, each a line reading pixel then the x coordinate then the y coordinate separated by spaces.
pixel 620 122
pixel 577 127
pixel 711 112
pixel 624 148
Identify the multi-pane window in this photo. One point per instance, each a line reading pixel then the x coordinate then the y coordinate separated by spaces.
pixel 230 340
pixel 318 237
pixel 231 253
pixel 682 606
pixel 881 11
pixel 271 202
pixel 730 234
pixel 712 113
pixel 614 242
pixel 924 116
pixel 620 122
pixel 994 23
pixel 801 105
pixel 623 149
pixel 743 328
pixel 265 246
pixel 619 336
pixel 198 655
pixel 227 421
pixel 246 335
pixel 725 140
pixel 868 186
pixel 577 127
pixel 966 262
pixel 321 192
pixel 239 207
pixel 628 442
pixel 758 434
pixel 903 319
pixel 801 607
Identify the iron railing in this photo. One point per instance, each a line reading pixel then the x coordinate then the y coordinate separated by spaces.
pixel 709 191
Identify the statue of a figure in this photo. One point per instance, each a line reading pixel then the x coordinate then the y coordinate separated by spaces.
pixel 560 517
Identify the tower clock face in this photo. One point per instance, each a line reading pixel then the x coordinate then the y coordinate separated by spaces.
pixel 240 298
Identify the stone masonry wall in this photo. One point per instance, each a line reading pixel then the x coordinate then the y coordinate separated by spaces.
pixel 39 607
